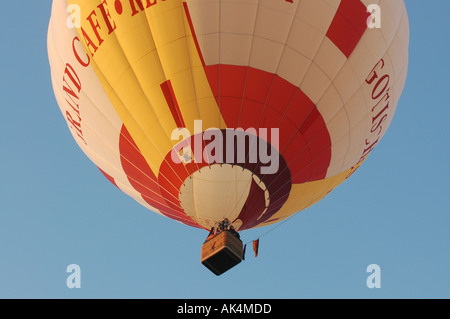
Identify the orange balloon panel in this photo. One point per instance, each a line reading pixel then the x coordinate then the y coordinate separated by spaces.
pixel 209 109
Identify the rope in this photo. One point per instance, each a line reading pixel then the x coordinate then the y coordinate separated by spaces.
pixel 272 229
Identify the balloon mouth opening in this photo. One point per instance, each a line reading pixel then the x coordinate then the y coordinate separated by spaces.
pixel 231 174
pixel 218 192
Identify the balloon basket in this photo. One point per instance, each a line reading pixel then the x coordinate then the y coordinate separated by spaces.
pixel 222 252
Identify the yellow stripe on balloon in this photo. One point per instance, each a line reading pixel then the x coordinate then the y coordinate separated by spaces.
pixel 137 49
pixel 307 194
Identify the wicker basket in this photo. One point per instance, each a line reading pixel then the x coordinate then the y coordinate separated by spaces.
pixel 222 252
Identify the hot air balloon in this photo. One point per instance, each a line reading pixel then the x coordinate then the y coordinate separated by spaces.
pixel 207 111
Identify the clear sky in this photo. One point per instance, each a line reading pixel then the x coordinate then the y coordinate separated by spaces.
pixel 57 209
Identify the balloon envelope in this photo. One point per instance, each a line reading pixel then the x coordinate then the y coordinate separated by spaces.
pixel 208 109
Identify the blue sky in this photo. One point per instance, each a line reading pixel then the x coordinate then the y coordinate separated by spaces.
pixel 57 209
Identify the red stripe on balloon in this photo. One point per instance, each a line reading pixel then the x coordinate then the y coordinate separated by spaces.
pixel 252 98
pixel 191 26
pixel 109 177
pixel 144 181
pixel 348 25
pixel 171 99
